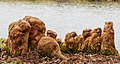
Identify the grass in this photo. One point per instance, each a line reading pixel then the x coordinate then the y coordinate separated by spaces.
pixel 2 42
pixel 68 2
pixel 61 1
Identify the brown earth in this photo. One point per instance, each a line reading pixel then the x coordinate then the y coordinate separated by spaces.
pixel 33 57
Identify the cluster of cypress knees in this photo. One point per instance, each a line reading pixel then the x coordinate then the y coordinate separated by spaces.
pixel 30 33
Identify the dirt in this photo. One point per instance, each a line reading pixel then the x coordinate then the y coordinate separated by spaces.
pixel 33 57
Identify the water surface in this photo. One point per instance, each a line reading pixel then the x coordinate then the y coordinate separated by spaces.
pixel 62 17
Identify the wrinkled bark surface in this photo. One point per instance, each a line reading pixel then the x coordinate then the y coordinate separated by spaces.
pixel 70 35
pixel 73 42
pixel 69 40
pixel 52 34
pixel 107 44
pixel 94 43
pixel 47 46
pixel 86 33
pixel 80 40
pixel 18 37
pixel 25 34
pixel 59 41
pixel 37 31
pixel 86 36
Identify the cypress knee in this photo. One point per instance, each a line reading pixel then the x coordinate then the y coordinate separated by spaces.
pixel 107 42
pixel 47 46
pixel 18 37
pixel 37 30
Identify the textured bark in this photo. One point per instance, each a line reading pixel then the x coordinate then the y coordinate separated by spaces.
pixel 69 40
pixel 86 36
pixel 70 35
pixel 78 41
pixel 59 41
pixel 73 42
pixel 18 37
pixel 107 44
pixel 81 40
pixel 48 46
pixel 52 34
pixel 37 30
pixel 27 33
pixel 86 33
pixel 30 29
pixel 94 43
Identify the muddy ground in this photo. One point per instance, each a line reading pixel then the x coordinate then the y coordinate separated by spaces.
pixel 79 58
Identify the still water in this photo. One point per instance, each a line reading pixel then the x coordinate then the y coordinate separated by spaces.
pixel 62 18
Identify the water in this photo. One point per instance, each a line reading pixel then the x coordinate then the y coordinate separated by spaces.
pixel 62 18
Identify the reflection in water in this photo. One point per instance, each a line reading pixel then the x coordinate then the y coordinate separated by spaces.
pixel 64 17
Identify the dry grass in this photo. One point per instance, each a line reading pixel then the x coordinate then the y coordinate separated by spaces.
pixel 70 2
pixel 2 42
pixel 63 1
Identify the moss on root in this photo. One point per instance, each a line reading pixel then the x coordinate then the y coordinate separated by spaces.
pixel 108 52
pixel 66 49
pixel 3 45
pixel 92 51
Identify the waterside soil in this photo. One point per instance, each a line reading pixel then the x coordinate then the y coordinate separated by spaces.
pixel 79 58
